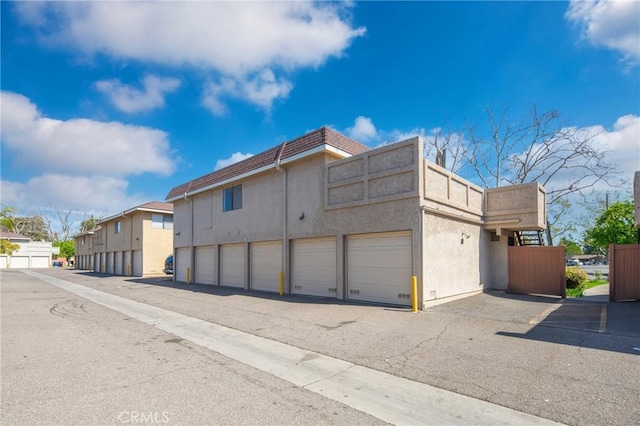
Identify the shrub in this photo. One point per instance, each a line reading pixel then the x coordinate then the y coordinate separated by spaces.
pixel 575 277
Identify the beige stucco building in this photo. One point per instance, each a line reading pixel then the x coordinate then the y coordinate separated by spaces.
pixel 338 219
pixel 135 242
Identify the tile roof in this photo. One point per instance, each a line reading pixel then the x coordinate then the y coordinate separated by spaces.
pixel 153 205
pixel 304 143
pixel 12 236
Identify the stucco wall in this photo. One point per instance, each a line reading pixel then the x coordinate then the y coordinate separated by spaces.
pixel 516 207
pixel 452 257
pixel 447 193
pixel 384 174
pixel 157 245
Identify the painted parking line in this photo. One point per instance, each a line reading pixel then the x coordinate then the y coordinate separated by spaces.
pixel 586 316
pixel 390 398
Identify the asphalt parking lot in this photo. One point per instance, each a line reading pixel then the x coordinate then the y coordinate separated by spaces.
pixel 569 361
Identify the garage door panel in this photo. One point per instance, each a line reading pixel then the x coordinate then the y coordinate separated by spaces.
pixel 266 265
pixel 118 263
pixel 181 262
pixel 314 267
pixel 137 263
pixel 127 267
pixel 232 265
pixel 19 262
pixel 379 268
pixel 39 262
pixel 205 265
pixel 110 262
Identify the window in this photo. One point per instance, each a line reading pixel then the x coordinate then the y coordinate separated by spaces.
pixel 232 198
pixel 162 221
pixel 118 226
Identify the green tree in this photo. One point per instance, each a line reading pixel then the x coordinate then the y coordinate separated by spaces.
pixel 7 222
pixel 67 248
pixel 7 247
pixel 571 248
pixel 89 224
pixel 615 225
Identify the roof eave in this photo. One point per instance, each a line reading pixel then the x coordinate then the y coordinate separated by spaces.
pixel 325 148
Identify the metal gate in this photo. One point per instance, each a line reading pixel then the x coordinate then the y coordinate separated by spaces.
pixel 624 272
pixel 537 270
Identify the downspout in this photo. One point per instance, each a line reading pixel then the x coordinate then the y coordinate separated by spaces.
pixel 285 249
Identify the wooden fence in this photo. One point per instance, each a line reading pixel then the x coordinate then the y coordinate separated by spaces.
pixel 624 272
pixel 537 270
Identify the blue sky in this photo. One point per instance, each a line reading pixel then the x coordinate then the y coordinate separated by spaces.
pixel 109 105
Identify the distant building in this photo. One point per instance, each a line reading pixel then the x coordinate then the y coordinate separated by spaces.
pixel 135 242
pixel 32 254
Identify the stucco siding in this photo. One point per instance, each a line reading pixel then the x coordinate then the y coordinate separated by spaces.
pixel 157 245
pixel 516 207
pixel 384 174
pixel 451 257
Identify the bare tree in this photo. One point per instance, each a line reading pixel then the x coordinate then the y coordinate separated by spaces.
pixel 535 148
pixel 450 145
pixel 539 148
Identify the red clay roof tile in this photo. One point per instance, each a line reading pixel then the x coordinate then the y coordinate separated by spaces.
pixel 307 142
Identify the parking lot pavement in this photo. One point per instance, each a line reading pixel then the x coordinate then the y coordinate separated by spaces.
pixel 510 350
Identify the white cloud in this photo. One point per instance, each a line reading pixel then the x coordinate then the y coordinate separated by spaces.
pixel 232 40
pixel 75 164
pixel 261 90
pixel 80 146
pixel 363 130
pixel 621 142
pixel 77 193
pixel 613 24
pixel 130 99
pixel 235 157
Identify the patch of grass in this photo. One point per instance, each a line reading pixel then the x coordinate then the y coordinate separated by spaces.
pixel 575 292
pixel 579 291
pixel 595 283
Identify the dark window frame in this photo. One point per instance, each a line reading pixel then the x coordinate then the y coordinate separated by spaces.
pixel 232 198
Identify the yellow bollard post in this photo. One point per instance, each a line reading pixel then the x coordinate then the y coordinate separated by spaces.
pixel 128 270
pixel 414 294
pixel 188 271
pixel 281 282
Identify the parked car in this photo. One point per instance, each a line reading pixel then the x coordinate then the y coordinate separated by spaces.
pixel 168 265
pixel 573 262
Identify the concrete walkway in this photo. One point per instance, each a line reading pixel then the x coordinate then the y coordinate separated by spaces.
pixel 390 398
pixel 598 294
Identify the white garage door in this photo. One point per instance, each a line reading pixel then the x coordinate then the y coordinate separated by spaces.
pixel 232 265
pixel 39 261
pixel 110 262
pixel 3 262
pixel 127 266
pixel 137 263
pixel 379 267
pixel 205 266
pixel 19 262
pixel 118 262
pixel 266 265
pixel 314 267
pixel 181 262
